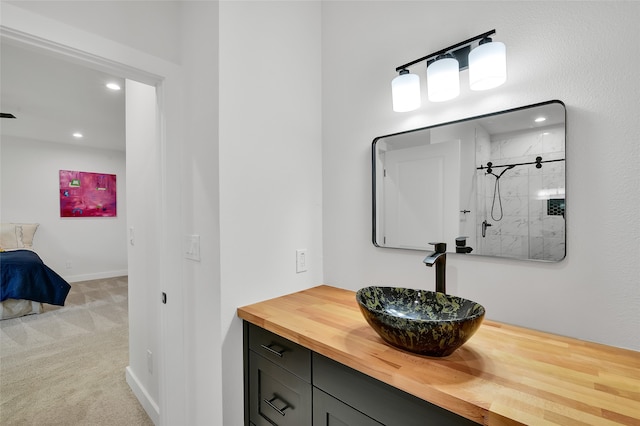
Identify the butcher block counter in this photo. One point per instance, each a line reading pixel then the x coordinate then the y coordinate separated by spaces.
pixel 503 375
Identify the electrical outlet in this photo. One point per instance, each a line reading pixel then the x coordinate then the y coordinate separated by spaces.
pixel 68 264
pixel 150 361
pixel 301 260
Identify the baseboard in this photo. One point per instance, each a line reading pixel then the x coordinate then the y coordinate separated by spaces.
pixel 96 276
pixel 143 397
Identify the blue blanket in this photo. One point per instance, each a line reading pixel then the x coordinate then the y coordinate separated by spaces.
pixel 23 275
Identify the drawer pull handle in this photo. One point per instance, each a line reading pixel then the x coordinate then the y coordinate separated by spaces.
pixel 270 403
pixel 273 351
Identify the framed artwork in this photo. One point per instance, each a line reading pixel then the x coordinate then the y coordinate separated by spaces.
pixel 86 194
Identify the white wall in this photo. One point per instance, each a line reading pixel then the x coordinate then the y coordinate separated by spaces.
pixel 29 172
pixel 555 50
pixel 143 199
pixel 148 26
pixel 270 164
pixel 200 205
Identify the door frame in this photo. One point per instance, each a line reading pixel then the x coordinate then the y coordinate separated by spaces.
pixel 36 32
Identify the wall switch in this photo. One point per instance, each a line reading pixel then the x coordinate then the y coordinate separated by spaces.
pixel 192 247
pixel 131 236
pixel 149 361
pixel 301 260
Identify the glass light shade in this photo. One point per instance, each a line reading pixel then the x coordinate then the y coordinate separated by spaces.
pixel 443 80
pixel 487 66
pixel 405 90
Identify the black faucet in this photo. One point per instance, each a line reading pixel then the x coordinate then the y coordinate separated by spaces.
pixel 439 258
pixel 461 245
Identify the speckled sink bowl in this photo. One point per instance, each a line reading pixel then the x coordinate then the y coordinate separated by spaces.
pixel 420 321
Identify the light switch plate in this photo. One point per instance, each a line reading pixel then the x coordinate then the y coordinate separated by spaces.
pixel 191 248
pixel 301 260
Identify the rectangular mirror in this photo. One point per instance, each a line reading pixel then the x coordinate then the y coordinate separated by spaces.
pixel 492 185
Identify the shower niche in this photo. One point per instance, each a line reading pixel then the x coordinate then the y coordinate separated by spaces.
pixel 492 185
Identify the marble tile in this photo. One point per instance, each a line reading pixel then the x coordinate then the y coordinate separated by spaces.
pixel 554 249
pixel 553 227
pixel 488 246
pixel 537 210
pixel 514 226
pixel 495 228
pixel 483 151
pixel 553 140
pixel 495 149
pixel 514 246
pixel 513 206
pixel 536 248
pixel 516 185
pixel 525 229
pixel 553 180
pixel 520 146
pixel 535 228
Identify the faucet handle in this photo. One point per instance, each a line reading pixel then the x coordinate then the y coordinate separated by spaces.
pixel 440 247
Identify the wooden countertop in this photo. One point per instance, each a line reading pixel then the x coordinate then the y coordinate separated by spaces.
pixel 503 375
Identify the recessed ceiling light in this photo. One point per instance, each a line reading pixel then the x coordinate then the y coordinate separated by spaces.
pixel 77 135
pixel 113 86
pixel 540 119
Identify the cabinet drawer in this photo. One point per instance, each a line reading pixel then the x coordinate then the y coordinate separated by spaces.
pixel 277 397
pixel 283 352
pixel 328 411
pixel 382 402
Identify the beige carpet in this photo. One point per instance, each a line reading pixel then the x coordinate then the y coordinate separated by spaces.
pixel 66 366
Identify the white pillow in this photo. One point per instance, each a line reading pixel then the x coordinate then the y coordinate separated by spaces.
pixel 25 233
pixel 17 235
pixel 8 238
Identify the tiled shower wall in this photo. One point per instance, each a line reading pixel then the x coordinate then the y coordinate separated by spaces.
pixel 521 226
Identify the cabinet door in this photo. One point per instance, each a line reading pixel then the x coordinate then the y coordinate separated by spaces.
pixel 386 404
pixel 328 411
pixel 276 396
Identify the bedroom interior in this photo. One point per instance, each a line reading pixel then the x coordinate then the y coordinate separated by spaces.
pixel 94 318
pixel 52 99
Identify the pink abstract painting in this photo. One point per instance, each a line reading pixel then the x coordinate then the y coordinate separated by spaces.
pixel 85 194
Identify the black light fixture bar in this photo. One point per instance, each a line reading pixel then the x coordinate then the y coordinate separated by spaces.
pixel 458 53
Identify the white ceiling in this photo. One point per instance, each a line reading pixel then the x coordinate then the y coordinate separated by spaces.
pixel 524 118
pixel 53 98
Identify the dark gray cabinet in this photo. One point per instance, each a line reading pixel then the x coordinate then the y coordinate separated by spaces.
pixel 380 401
pixel 329 411
pixel 287 384
pixel 279 380
pixel 276 395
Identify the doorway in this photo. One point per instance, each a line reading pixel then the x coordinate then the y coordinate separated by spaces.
pixel 152 387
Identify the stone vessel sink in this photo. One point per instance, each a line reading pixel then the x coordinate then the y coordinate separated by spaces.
pixel 420 321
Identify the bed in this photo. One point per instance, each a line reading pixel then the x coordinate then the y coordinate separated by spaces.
pixel 25 281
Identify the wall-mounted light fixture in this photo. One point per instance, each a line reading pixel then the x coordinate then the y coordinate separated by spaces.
pixel 406 92
pixel 486 62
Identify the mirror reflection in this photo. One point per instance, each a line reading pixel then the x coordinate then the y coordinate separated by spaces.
pixel 492 185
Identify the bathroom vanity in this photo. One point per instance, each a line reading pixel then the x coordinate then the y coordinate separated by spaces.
pixel 311 358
